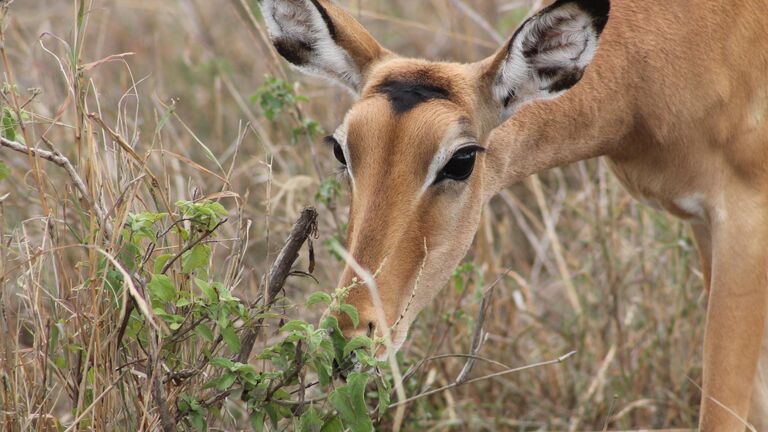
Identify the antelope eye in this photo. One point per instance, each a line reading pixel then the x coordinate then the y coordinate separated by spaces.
pixel 338 152
pixel 460 166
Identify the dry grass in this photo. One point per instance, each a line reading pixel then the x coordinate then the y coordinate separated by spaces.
pixel 149 100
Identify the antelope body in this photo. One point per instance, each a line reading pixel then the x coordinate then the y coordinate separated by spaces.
pixel 675 98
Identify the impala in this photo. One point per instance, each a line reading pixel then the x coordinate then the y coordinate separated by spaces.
pixel 675 98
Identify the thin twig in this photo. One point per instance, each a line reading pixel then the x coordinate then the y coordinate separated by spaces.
pixel 95 402
pixel 482 378
pixel 730 411
pixel 465 356
pixel 478 19
pixel 60 160
pixel 477 337
pixel 192 245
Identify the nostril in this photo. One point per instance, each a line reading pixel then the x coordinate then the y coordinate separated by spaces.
pixel 371 328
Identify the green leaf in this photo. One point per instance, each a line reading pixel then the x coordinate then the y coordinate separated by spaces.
pixel 295 326
pixel 226 381
pixel 230 338
pixel 222 362
pixel 204 332
pixel 5 172
pixel 160 263
pixel 218 209
pixel 196 259
pixel 349 401
pixel 333 425
pixel 383 390
pixel 324 371
pixel 365 359
pixel 208 290
pixel 356 343
pixel 205 213
pixel 257 420
pixel 331 325
pixel 275 413
pixel 183 302
pixel 318 297
pixel 311 421
pixel 192 408
pixel 129 256
pixel 9 124
pixel 141 225
pixel 330 188
pixel 351 312
pixel 275 95
pixel 162 288
pixel 198 421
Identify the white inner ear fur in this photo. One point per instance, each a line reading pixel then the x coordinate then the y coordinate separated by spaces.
pixel 300 20
pixel 565 39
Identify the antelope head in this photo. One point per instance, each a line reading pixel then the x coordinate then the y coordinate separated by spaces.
pixel 413 147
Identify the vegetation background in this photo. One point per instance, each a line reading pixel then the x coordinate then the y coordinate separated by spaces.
pixel 155 102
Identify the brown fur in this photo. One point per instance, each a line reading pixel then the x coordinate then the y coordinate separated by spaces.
pixel 676 99
pixel 678 112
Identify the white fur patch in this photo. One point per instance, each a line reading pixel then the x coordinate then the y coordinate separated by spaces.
pixel 565 41
pixel 300 20
pixel 694 205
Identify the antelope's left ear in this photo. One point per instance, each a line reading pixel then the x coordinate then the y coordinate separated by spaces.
pixel 319 38
pixel 548 53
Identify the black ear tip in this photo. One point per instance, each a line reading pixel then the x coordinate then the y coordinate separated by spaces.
pixel 599 9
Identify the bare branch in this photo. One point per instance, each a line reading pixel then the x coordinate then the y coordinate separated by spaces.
pixel 304 227
pixel 167 422
pixel 482 378
pixel 477 337
pixel 60 160
pixel 478 19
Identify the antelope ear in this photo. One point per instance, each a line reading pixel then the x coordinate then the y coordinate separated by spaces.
pixel 319 38
pixel 548 53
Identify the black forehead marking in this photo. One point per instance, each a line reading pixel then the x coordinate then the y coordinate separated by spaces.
pixel 404 95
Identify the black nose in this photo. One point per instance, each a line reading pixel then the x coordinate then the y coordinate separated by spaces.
pixel 341 370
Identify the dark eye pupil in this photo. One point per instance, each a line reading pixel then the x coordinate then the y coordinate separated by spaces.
pixel 339 153
pixel 460 166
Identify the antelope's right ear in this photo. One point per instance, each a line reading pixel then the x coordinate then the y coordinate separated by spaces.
pixel 548 53
pixel 319 38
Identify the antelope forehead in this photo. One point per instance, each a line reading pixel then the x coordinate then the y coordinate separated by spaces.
pixel 413 146
pixel 405 95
